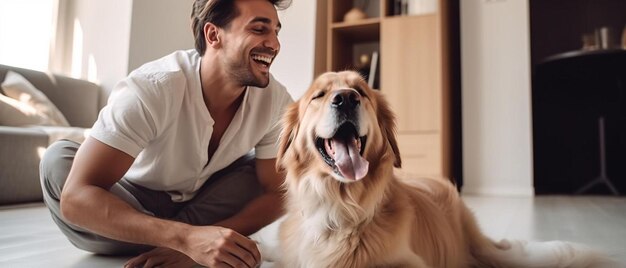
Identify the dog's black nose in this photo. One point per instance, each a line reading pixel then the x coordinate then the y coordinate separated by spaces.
pixel 346 99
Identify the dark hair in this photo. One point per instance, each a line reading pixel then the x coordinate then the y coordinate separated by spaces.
pixel 220 13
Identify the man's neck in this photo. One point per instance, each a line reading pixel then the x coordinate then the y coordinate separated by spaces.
pixel 220 93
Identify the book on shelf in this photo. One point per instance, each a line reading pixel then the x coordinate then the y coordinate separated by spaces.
pixel 371 78
pixel 414 7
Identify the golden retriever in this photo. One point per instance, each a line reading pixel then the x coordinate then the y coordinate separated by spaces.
pixel 346 208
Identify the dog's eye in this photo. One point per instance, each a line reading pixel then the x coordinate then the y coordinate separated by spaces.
pixel 319 95
pixel 361 92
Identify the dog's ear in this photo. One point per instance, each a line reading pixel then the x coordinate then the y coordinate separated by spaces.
pixel 387 122
pixel 288 133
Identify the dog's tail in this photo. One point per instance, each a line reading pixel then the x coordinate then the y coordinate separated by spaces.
pixel 517 253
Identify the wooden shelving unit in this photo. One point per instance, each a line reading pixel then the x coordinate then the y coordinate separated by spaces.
pixel 413 72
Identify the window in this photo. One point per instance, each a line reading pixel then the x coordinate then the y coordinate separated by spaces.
pixel 26 28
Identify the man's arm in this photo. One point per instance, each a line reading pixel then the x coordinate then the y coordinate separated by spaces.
pixel 264 209
pixel 87 202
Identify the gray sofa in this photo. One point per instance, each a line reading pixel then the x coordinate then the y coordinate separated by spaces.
pixel 78 100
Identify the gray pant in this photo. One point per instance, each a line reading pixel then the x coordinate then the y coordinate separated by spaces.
pixel 223 195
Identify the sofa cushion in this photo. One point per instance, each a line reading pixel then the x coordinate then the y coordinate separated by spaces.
pixel 20 151
pixel 76 134
pixel 17 87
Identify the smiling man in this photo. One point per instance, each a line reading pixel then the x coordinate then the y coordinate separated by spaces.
pixel 180 165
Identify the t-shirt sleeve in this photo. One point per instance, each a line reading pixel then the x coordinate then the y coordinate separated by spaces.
pixel 267 148
pixel 127 122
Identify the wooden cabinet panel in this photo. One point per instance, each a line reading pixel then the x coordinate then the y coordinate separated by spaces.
pixel 421 153
pixel 411 77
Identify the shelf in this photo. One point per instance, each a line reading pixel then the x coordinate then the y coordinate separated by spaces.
pixel 370 22
pixel 399 17
pixel 366 30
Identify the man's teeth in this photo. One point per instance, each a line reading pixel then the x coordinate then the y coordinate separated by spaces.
pixel 265 59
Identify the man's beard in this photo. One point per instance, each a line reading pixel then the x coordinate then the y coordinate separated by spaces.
pixel 241 71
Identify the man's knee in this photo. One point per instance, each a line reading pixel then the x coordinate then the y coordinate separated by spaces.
pixel 55 166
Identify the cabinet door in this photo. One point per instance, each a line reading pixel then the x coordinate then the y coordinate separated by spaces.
pixel 411 71
pixel 421 154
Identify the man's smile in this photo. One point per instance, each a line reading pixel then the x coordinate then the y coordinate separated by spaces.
pixel 263 60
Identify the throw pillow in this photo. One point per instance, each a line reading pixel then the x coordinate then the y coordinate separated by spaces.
pixel 18 88
pixel 14 113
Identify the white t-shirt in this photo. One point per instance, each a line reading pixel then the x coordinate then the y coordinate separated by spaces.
pixel 157 115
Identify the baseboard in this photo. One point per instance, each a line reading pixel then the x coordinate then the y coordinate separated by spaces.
pixel 499 191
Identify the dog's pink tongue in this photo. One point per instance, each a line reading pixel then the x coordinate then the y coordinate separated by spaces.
pixel 349 161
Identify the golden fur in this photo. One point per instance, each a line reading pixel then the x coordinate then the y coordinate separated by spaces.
pixel 379 220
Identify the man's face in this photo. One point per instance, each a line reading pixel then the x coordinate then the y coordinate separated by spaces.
pixel 251 42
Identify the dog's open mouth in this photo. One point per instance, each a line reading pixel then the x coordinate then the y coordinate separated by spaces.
pixel 344 152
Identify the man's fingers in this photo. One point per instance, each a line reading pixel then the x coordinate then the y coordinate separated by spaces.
pixel 248 253
pixel 243 243
pixel 249 246
pixel 253 247
pixel 153 262
pixel 242 254
pixel 136 261
pixel 222 265
pixel 232 261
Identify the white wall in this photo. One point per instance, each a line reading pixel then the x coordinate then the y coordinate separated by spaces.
pixel 158 28
pixel 295 62
pixel 96 36
pixel 104 40
pixel 497 145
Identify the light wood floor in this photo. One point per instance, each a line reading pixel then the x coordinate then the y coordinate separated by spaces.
pixel 29 238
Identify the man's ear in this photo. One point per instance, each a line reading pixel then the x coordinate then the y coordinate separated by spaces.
pixel 212 35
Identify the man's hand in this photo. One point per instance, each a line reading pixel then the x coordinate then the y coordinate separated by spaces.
pixel 160 257
pixel 215 246
pixel 211 246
